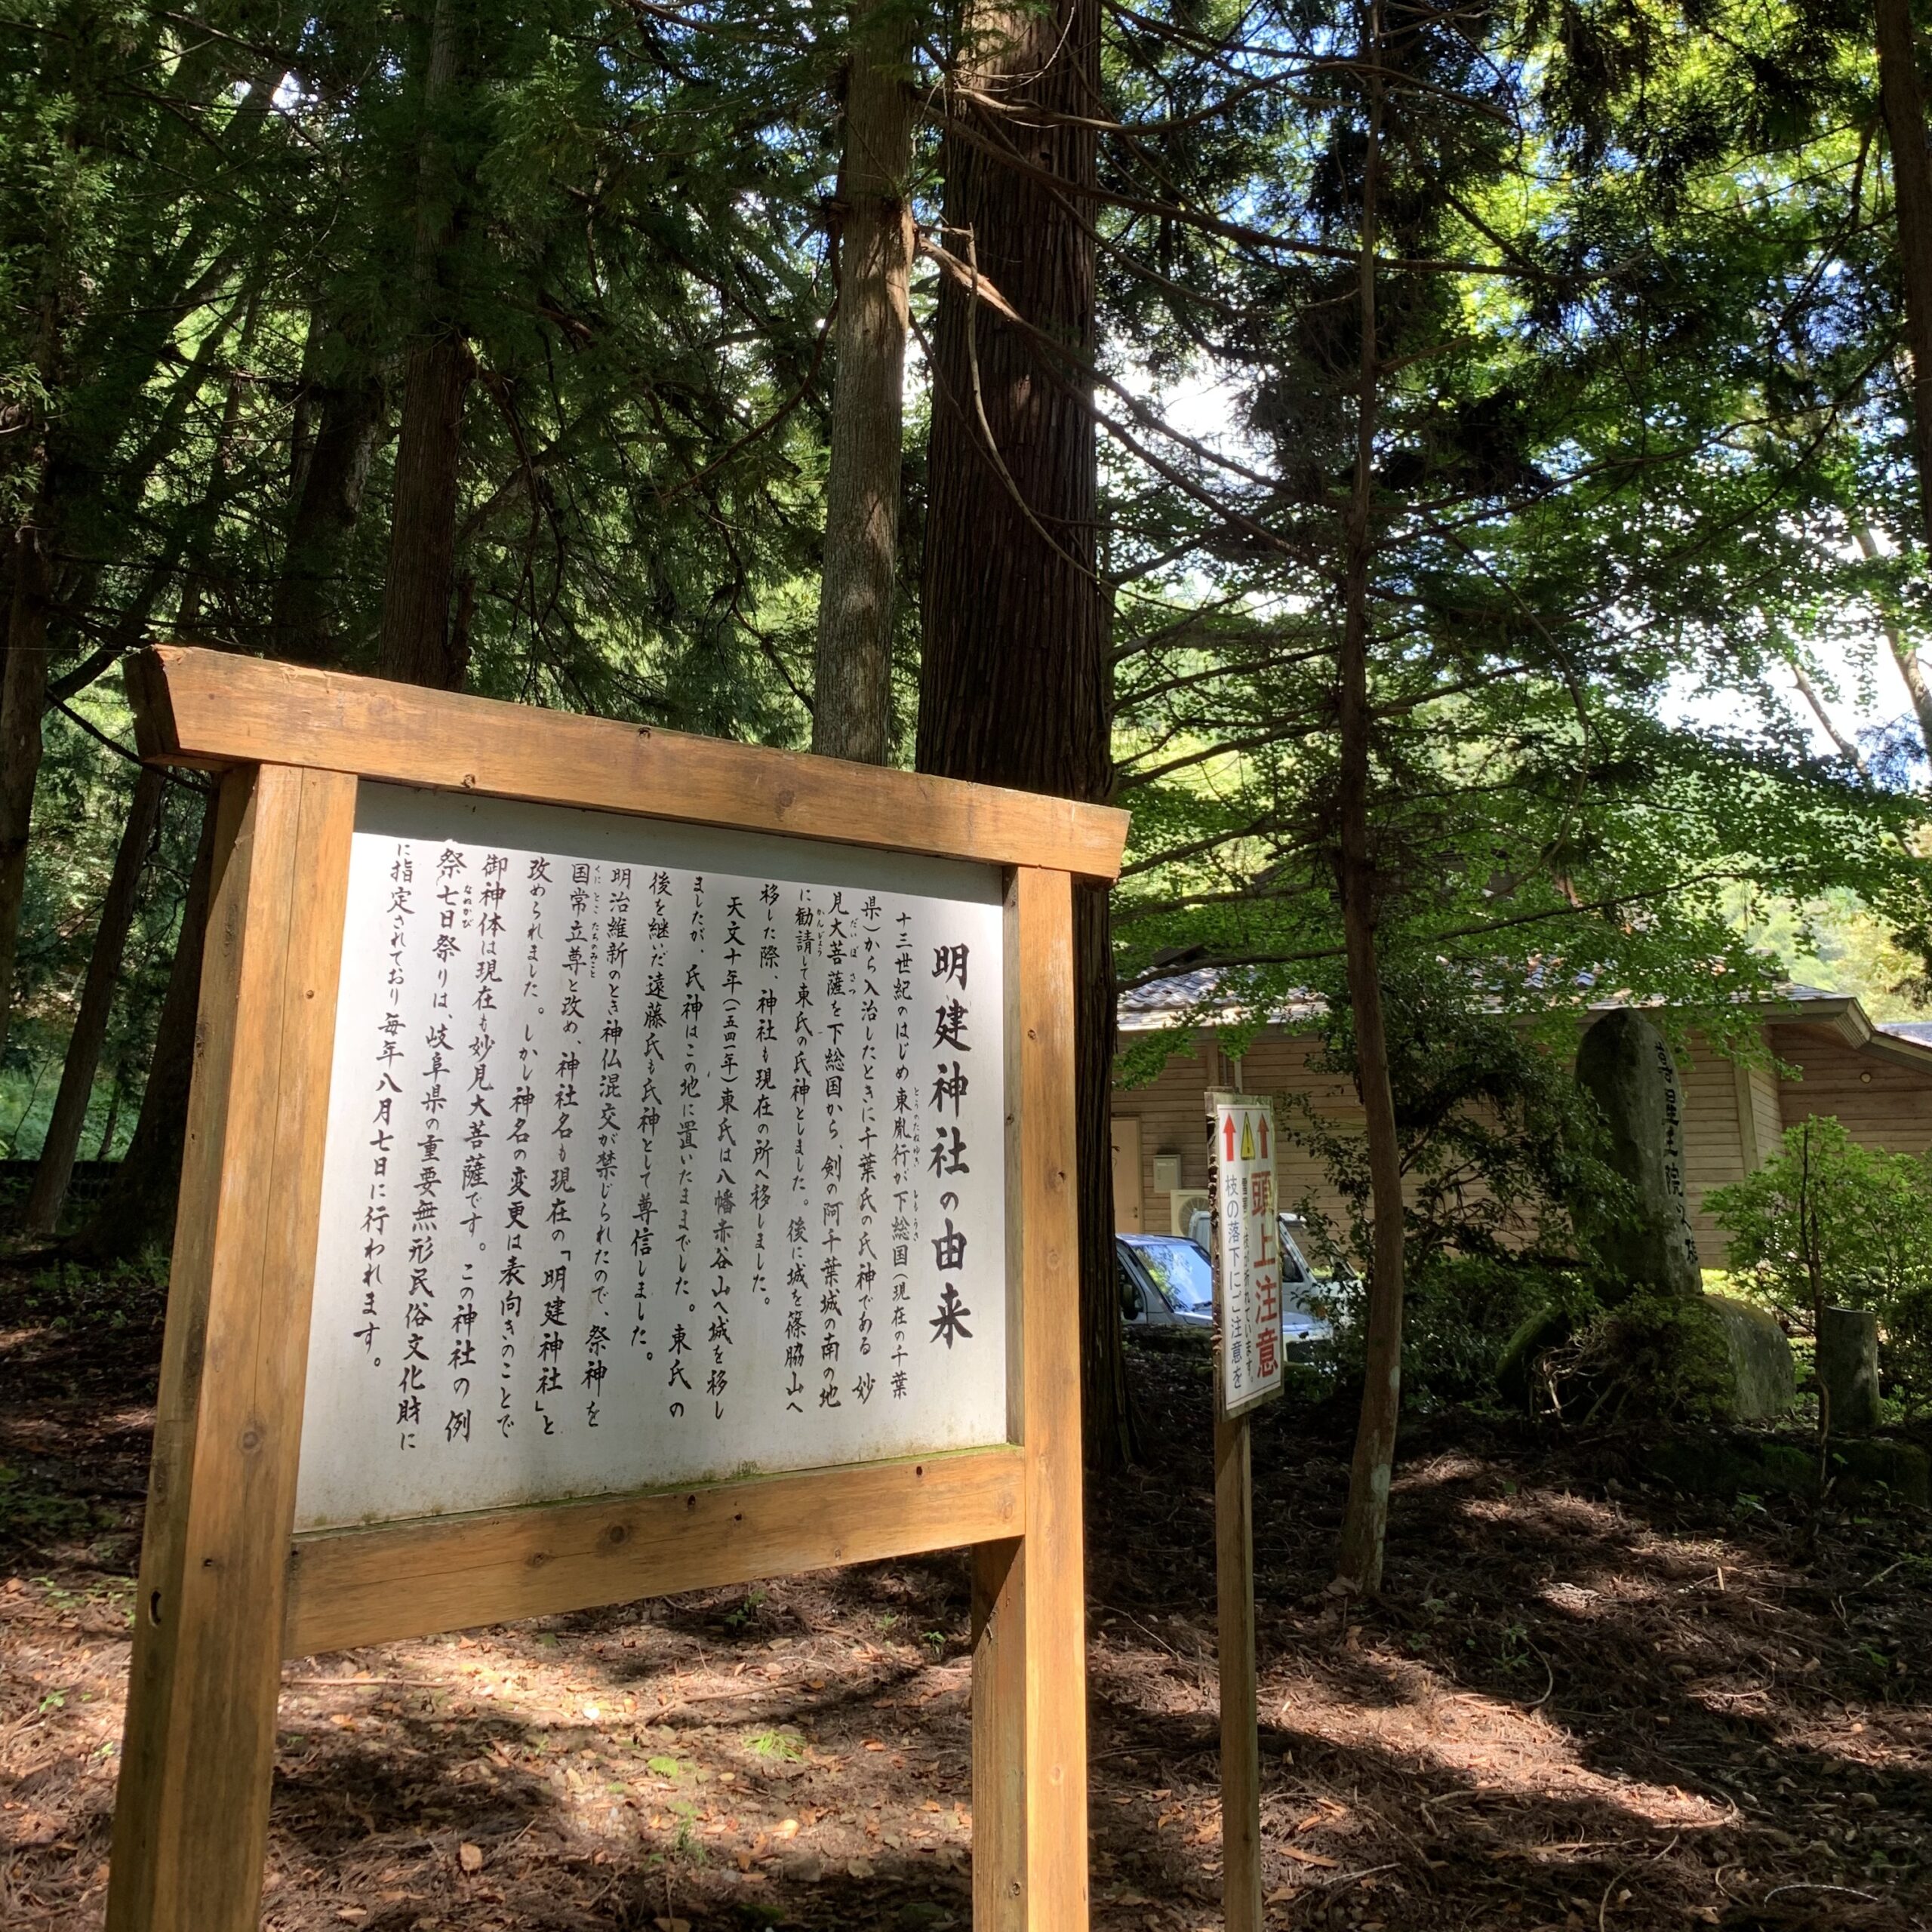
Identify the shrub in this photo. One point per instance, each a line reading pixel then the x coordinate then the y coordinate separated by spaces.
pixel 1461 1310
pixel 1497 1145
pixel 1654 1357
pixel 1826 1220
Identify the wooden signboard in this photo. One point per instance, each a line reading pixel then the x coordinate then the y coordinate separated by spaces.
pixel 617 1163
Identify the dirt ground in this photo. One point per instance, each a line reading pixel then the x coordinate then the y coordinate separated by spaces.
pixel 1582 1703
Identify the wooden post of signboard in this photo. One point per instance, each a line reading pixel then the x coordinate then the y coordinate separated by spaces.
pixel 190 1816
pixel 1029 1716
pixel 1241 1736
pixel 230 1586
pixel 1251 1255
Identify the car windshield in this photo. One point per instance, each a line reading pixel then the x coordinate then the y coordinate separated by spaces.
pixel 1181 1270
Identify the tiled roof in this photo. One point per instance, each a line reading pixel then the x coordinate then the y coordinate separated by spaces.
pixel 1145 1009
pixel 1167 1002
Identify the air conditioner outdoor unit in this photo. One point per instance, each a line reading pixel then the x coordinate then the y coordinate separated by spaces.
pixel 1184 1205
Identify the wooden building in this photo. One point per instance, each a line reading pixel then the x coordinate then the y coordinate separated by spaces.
pixel 1831 1060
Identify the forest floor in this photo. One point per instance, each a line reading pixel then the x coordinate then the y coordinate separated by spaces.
pixel 1582 1703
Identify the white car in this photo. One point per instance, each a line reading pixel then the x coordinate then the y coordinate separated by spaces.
pixel 1301 1287
pixel 1165 1282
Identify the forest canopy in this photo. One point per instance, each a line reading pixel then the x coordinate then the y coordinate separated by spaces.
pixel 1458 473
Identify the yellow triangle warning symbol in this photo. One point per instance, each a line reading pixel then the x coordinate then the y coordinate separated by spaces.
pixel 1247 1137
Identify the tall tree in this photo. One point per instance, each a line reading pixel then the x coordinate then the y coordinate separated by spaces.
pixel 137 1211
pixel 57 1151
pixel 418 644
pixel 872 258
pixel 1014 684
pixel 1364 1524
pixel 333 444
pixel 1902 102
pixel 23 698
pixel 1386 677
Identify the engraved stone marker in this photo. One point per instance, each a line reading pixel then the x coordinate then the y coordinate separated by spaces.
pixel 1624 1063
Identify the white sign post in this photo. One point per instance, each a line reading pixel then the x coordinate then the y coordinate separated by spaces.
pixel 1248 1372
pixel 1248 1254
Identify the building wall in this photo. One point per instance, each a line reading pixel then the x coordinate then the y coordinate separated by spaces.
pixel 1714 1147
pixel 1881 1104
pixel 1735 1115
pixel 1759 1113
pixel 1278 1064
pixel 1172 1111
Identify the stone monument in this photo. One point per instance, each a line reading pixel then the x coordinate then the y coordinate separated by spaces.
pixel 1624 1065
pixel 1848 1368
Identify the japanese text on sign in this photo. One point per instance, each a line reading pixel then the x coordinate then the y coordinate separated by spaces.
pixel 1248 1262
pixel 655 1153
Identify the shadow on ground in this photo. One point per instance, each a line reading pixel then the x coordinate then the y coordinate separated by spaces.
pixel 1582 1703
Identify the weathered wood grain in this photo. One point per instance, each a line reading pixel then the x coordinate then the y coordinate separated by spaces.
pixel 406 1579
pixel 999 1737
pixel 214 709
pixel 1241 1740
pixel 1029 1679
pixel 191 1818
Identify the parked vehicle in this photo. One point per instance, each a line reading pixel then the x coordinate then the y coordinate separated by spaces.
pixel 1166 1281
pixel 1303 1291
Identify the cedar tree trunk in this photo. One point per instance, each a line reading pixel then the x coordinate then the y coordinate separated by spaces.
pixel 77 1072
pixel 1014 686
pixel 327 500
pixel 852 685
pixel 23 698
pixel 415 645
pixel 138 1212
pixel 1902 101
pixel 1365 1521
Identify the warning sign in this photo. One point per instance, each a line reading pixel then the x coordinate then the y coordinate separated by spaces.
pixel 1247 1251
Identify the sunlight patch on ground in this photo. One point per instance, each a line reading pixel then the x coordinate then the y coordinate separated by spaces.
pixel 699 1760
pixel 1428 1723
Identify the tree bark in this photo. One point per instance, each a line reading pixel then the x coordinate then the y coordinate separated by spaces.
pixel 113 1120
pixel 1112 1439
pixel 1902 102
pixel 23 699
pixel 1365 1521
pixel 415 646
pixel 62 1142
pixel 328 481
pixel 852 685
pixel 1014 687
pixel 137 1211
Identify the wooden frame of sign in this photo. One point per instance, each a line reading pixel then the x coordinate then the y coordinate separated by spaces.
pixel 229 1587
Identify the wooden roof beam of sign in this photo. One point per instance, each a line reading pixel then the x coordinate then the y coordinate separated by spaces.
pixel 213 708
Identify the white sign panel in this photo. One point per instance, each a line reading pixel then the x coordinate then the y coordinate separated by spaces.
pixel 1247 1260
pixel 655 1153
